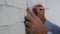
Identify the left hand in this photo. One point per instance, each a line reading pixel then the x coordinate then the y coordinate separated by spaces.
pixel 39 11
pixel 33 24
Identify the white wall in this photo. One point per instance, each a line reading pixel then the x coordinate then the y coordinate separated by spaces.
pixel 53 13
pixel 12 14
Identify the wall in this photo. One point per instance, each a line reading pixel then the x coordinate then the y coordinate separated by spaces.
pixel 12 14
pixel 53 13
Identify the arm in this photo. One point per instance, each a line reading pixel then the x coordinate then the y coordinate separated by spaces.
pixel 52 27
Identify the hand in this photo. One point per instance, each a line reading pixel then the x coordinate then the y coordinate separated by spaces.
pixel 33 24
pixel 39 10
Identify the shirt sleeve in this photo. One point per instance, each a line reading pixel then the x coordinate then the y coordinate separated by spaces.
pixel 52 27
pixel 49 25
pixel 49 32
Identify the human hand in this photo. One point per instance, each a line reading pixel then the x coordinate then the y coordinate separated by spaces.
pixel 33 24
pixel 39 10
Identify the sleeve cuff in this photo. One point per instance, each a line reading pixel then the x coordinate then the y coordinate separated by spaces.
pixel 49 32
pixel 48 24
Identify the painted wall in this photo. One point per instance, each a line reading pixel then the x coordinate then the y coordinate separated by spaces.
pixel 53 13
pixel 12 14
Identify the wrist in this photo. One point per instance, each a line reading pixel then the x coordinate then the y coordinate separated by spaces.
pixel 45 31
pixel 44 19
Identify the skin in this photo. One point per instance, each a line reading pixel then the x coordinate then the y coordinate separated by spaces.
pixel 34 21
pixel 40 12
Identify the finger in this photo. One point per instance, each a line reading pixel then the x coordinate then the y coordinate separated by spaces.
pixel 32 15
pixel 40 12
pixel 34 10
pixel 34 18
pixel 30 12
pixel 39 9
pixel 29 24
pixel 28 29
pixel 28 18
pixel 38 5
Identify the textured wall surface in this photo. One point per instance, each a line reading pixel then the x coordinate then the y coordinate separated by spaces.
pixel 12 13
